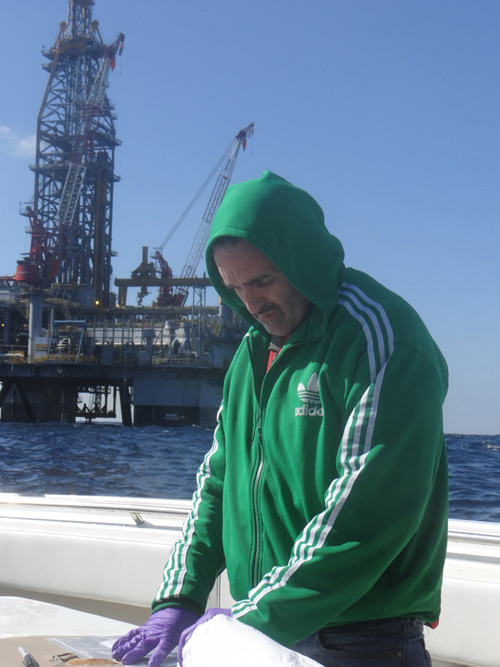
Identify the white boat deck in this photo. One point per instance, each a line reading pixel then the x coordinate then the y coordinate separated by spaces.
pixel 21 617
pixel 77 552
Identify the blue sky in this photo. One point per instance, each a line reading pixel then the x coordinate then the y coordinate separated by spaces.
pixel 386 111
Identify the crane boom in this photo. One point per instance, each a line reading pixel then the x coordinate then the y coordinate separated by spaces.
pixel 201 238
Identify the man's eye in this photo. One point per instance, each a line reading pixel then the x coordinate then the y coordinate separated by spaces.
pixel 261 284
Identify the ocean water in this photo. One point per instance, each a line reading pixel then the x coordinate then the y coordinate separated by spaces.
pixel 155 462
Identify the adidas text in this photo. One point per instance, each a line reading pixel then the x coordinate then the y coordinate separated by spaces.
pixel 306 411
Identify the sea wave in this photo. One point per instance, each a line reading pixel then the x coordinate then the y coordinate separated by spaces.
pixel 157 462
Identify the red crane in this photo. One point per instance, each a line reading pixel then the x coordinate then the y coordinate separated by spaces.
pixel 177 296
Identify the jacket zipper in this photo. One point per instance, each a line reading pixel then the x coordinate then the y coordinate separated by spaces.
pixel 257 439
pixel 256 514
pixel 258 443
pixel 256 576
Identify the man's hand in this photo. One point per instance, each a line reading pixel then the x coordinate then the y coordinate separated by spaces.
pixel 160 632
pixel 186 634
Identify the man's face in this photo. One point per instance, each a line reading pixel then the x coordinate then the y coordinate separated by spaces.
pixel 266 293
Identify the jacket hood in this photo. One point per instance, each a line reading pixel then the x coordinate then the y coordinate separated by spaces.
pixel 288 226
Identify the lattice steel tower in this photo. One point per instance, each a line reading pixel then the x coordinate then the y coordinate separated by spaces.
pixel 71 214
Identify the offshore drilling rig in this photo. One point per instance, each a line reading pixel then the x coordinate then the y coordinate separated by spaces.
pixel 64 334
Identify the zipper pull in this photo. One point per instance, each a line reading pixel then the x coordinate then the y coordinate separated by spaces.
pixel 256 429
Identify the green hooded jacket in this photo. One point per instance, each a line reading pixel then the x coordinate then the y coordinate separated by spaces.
pixel 325 493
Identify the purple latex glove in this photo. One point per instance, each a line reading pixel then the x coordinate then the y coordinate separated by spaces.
pixel 161 632
pixel 186 634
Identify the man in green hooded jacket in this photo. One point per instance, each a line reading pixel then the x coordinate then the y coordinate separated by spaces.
pixel 325 492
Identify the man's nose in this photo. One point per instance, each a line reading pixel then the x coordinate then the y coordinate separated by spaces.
pixel 252 299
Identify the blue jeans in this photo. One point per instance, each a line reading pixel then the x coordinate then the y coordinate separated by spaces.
pixel 396 642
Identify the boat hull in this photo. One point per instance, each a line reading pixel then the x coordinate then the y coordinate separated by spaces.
pixel 105 556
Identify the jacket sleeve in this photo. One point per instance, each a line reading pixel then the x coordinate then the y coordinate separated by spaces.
pixel 372 526
pixel 197 557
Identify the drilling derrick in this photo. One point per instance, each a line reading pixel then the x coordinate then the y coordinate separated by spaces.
pixel 71 213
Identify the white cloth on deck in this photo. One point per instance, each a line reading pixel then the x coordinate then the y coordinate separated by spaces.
pixel 226 642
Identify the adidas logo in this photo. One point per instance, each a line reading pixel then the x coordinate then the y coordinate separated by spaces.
pixel 310 398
